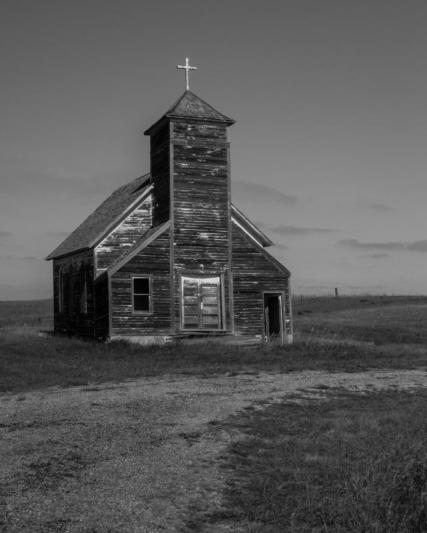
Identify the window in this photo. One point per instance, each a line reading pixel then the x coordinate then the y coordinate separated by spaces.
pixel 141 295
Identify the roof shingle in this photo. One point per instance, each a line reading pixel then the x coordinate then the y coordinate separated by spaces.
pixel 189 105
pixel 104 218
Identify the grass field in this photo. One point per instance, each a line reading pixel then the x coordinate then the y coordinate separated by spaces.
pixel 335 334
pixel 332 462
pixel 376 319
pixel 349 463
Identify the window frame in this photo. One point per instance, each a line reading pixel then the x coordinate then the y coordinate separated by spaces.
pixel 149 294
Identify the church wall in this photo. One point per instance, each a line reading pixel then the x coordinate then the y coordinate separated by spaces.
pixel 74 271
pixel 152 261
pixel 101 307
pixel 124 236
pixel 160 173
pixel 253 273
pixel 200 204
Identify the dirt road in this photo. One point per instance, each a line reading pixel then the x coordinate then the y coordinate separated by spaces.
pixel 138 456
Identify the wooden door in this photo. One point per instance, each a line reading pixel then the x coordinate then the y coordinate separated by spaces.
pixel 201 302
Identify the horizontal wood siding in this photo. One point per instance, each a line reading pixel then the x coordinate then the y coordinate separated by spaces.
pixel 201 208
pixel 74 269
pixel 102 317
pixel 124 236
pixel 152 261
pixel 253 273
pixel 160 172
pixel 190 131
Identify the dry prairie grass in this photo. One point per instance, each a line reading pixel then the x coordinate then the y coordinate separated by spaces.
pixel 383 336
pixel 327 461
pixel 354 463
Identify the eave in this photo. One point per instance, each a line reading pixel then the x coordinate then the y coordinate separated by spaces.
pixel 250 227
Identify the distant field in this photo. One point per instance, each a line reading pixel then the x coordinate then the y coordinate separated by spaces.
pixel 335 334
pixel 328 304
pixel 27 313
pixel 376 319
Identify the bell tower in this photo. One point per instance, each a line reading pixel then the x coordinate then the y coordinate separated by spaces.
pixel 191 176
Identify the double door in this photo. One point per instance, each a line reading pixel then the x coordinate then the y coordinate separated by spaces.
pixel 201 302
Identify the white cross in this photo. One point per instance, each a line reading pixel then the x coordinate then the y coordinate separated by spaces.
pixel 187 68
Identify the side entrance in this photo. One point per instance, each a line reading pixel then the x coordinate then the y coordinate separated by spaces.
pixel 273 316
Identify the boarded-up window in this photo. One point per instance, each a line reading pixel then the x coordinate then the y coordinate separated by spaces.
pixel 141 295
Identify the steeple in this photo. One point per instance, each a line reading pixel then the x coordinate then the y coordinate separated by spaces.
pixel 191 106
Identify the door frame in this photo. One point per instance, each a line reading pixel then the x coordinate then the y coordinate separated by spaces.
pixel 281 296
pixel 221 299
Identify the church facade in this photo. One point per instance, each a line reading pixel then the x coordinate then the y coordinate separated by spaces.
pixel 169 255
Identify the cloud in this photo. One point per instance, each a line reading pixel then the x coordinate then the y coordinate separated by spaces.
pixel 418 246
pixel 6 234
pixel 57 234
pixel 378 256
pixel 18 258
pixel 19 178
pixel 415 246
pixel 255 191
pixel 296 230
pixel 380 208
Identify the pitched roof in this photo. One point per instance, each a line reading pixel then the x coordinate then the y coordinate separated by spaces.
pixel 192 106
pixel 104 218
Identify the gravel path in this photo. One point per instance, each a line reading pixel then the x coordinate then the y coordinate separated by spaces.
pixel 137 456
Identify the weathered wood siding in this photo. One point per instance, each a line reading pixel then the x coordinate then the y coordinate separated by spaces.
pixel 74 269
pixel 253 273
pixel 200 203
pixel 152 261
pixel 101 315
pixel 124 236
pixel 160 173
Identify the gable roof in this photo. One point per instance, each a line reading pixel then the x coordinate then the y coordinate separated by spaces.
pixel 116 207
pixel 189 105
pixel 110 213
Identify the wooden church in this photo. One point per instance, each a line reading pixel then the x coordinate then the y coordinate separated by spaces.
pixel 168 255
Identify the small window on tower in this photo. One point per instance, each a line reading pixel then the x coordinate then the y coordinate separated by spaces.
pixel 141 295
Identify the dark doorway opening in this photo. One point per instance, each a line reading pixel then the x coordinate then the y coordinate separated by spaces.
pixel 273 317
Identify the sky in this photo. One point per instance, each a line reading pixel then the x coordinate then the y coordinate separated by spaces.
pixel 328 152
